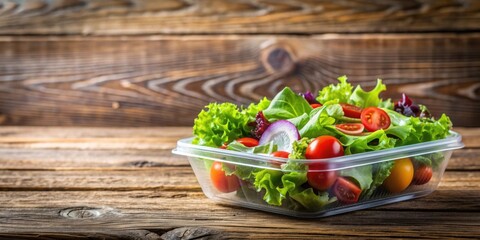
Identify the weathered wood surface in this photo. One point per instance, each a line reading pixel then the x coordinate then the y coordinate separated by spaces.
pixel 235 16
pixel 141 81
pixel 97 190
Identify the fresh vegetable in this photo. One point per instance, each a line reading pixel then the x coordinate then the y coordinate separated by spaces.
pixel 315 105
pixel 351 110
pixel 324 147
pixel 400 177
pixel 309 97
pixel 350 128
pixel 374 119
pixel 422 175
pixel 248 142
pixel 321 176
pixel 281 154
pixel 346 191
pixel 283 133
pixel 342 120
pixel 222 182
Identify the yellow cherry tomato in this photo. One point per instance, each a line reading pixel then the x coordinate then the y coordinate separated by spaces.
pixel 400 177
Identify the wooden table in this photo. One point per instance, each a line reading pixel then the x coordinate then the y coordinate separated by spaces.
pixel 74 182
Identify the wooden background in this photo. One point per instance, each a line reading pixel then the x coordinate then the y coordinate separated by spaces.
pixel 157 63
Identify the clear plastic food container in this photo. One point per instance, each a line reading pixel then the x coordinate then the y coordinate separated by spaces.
pixel 245 194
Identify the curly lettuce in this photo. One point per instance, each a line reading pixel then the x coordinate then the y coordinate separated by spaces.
pixel 340 91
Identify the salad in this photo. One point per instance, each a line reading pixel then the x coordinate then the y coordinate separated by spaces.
pixel 340 120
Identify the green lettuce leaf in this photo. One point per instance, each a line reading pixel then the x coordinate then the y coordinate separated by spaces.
pixel 340 92
pixel 252 109
pixel 380 172
pixel 319 119
pixel 361 175
pixel 299 148
pixel 311 200
pixel 218 124
pixel 286 105
pixel 364 99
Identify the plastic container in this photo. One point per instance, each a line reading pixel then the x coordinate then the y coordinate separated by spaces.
pixel 201 159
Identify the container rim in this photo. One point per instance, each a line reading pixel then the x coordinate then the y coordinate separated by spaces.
pixel 451 142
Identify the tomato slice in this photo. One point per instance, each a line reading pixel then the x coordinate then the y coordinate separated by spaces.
pixel 315 105
pixel 346 191
pixel 351 110
pixel 222 182
pixel 350 128
pixel 374 118
pixel 248 142
pixel 281 154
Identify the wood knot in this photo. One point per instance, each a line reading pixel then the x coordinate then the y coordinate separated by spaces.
pixel 193 233
pixel 278 58
pixel 84 212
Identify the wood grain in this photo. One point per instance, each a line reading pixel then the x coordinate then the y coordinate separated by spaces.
pixel 105 192
pixel 234 16
pixel 165 81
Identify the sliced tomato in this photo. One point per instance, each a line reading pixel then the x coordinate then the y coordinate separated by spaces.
pixel 248 142
pixel 350 128
pixel 351 110
pixel 346 191
pixel 281 154
pixel 315 105
pixel 374 119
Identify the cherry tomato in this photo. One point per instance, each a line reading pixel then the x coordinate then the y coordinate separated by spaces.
pixel 350 128
pixel 248 142
pixel 400 177
pixel 324 147
pixel 351 110
pixel 222 182
pixel 422 175
pixel 315 105
pixel 281 154
pixel 346 191
pixel 319 176
pixel 374 118
pixel 323 179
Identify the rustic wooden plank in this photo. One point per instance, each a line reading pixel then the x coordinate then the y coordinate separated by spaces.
pixel 112 159
pixel 166 81
pixel 441 214
pixel 164 178
pixel 235 16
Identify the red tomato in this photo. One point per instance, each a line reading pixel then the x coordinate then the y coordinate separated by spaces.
pixel 351 110
pixel 374 118
pixel 248 142
pixel 350 128
pixel 222 182
pixel 422 175
pixel 322 147
pixel 315 105
pixel 321 180
pixel 281 154
pixel 224 146
pixel 346 191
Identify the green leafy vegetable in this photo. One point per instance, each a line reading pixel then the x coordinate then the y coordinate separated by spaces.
pixel 218 124
pixel 364 99
pixel 267 148
pixel 252 109
pixel 380 172
pixel 299 148
pixel 340 92
pixel 312 201
pixel 286 105
pixel 319 119
pixel 361 175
